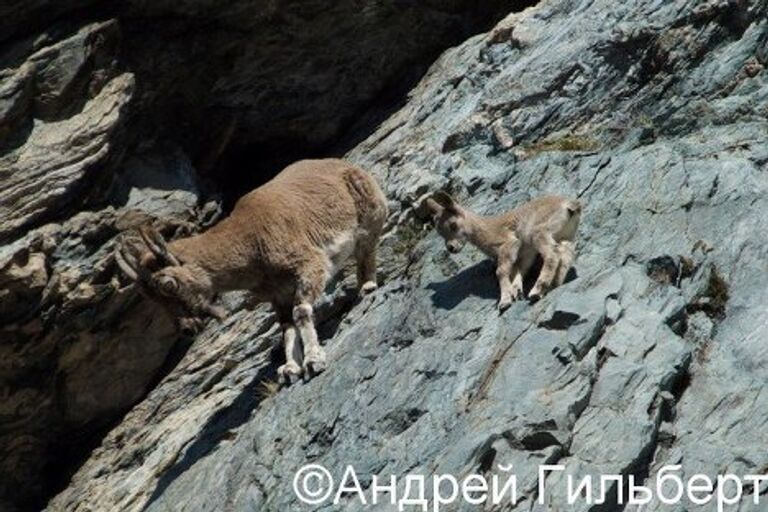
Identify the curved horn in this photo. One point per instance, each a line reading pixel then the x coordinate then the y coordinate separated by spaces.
pixel 156 243
pixel 126 267
pixel 129 264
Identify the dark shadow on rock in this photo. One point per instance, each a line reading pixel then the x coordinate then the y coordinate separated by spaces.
pixel 16 136
pixel 329 315
pixel 571 275
pixel 478 280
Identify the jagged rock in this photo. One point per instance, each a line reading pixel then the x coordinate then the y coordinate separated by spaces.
pixel 79 347
pixel 259 81
pixel 24 277
pixel 19 16
pixel 297 76
pixel 651 122
pixel 15 101
pixel 70 106
pixel 117 115
pixel 654 114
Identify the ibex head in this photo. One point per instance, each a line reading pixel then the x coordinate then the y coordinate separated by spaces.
pixel 183 289
pixel 449 218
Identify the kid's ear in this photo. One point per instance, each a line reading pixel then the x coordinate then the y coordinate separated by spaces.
pixel 444 200
pixel 428 209
pixel 433 207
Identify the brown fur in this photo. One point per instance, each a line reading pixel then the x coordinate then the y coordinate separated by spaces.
pixel 282 241
pixel 545 225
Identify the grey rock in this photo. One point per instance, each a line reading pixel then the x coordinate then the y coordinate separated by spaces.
pixel 161 184
pixel 117 114
pixel 58 158
pixel 69 105
pixel 615 372
pixel 297 77
pixel 653 113
pixel 15 101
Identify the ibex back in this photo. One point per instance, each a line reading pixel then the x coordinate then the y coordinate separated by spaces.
pixel 282 241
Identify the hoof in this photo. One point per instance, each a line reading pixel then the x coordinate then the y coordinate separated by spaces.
pixel 314 364
pixel 535 295
pixel 313 369
pixel 288 374
pixel 504 304
pixel 368 288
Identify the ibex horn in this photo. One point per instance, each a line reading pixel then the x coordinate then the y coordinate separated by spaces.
pixel 126 267
pixel 157 245
pixel 129 264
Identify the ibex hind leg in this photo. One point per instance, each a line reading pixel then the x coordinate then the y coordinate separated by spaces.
pixel 372 215
pixel 547 247
pixel 524 263
pixel 365 257
pixel 371 206
pixel 567 252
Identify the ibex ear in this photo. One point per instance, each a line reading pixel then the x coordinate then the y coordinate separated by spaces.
pixel 445 200
pixel 216 312
pixel 430 208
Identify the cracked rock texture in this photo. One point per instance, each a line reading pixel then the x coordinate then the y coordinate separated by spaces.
pixel 653 113
pixel 113 114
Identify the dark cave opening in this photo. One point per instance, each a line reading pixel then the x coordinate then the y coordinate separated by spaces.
pixel 243 166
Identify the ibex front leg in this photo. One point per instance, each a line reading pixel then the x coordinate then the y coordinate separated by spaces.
pixel 525 259
pixel 310 285
pixel 505 267
pixel 289 372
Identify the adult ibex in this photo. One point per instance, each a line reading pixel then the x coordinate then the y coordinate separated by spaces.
pixel 282 241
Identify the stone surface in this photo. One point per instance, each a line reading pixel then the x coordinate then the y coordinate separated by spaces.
pixel 653 113
pixel 264 81
pixel 59 111
pixel 297 74
pixel 113 114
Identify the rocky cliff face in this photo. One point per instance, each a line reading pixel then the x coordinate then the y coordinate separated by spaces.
pixel 116 113
pixel 653 113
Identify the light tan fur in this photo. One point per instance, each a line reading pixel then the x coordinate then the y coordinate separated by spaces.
pixel 545 225
pixel 283 241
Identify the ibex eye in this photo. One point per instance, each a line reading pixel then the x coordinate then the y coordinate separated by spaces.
pixel 453 226
pixel 168 284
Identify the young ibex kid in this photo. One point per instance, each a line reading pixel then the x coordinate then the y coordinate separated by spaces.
pixel 545 226
pixel 282 241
